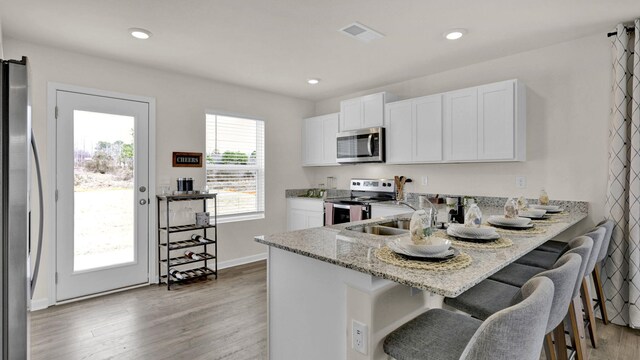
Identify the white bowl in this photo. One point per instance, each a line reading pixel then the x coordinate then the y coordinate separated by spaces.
pixel 545 207
pixel 434 245
pixel 532 213
pixel 462 230
pixel 501 220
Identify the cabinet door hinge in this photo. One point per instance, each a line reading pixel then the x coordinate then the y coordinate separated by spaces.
pixel 56 277
pixel 56 194
pixel 56 114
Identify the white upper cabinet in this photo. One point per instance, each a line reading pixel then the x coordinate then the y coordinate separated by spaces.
pixel 485 123
pixel 319 140
pixel 363 112
pixel 414 130
pixel 461 124
pixel 427 114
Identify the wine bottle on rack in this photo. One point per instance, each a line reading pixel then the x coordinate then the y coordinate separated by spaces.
pixel 200 238
pixel 192 255
pixel 177 274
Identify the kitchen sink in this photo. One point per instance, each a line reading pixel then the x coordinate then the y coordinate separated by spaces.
pixel 378 230
pixel 396 224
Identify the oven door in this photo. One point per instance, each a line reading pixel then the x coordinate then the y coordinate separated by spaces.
pixel 347 213
pixel 365 145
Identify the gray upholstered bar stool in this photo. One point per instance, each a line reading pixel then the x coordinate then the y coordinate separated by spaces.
pixel 518 274
pixel 600 301
pixel 516 332
pixel 491 296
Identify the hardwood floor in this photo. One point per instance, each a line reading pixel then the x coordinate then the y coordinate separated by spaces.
pixel 216 319
pixel 213 319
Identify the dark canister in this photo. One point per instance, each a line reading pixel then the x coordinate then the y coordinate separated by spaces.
pixel 182 184
pixel 189 184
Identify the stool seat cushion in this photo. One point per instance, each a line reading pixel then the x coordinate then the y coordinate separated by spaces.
pixel 484 299
pixel 516 274
pixel 435 335
pixel 539 258
pixel 554 246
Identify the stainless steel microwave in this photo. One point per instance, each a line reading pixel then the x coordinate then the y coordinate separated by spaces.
pixel 361 146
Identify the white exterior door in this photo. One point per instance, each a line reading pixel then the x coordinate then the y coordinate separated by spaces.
pixel 102 212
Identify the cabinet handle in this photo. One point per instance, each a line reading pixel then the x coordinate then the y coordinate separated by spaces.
pixel 143 202
pixel 370 145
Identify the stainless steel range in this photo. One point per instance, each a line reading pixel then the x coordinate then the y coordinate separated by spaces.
pixel 357 207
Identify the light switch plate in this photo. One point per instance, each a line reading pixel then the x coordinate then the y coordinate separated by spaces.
pixel 521 182
pixel 425 180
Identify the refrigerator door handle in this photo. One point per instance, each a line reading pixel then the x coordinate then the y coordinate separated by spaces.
pixel 36 159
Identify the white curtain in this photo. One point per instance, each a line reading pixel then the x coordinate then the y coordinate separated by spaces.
pixel 622 269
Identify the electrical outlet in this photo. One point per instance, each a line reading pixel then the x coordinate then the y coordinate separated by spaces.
pixel 521 182
pixel 425 180
pixel 359 336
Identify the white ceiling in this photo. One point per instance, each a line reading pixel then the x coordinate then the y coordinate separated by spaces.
pixel 275 45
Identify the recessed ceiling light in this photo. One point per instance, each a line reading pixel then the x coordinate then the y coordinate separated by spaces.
pixel 455 34
pixel 141 34
pixel 313 81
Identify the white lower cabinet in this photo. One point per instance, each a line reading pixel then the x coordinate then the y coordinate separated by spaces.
pixel 414 130
pixel 304 213
pixel 319 140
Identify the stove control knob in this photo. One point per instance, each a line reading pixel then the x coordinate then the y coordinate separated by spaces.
pixel 353 183
pixel 388 184
pixel 384 184
pixel 358 182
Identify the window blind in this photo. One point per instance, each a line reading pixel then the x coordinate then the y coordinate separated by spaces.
pixel 235 164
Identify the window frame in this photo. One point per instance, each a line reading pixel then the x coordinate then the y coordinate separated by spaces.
pixel 261 172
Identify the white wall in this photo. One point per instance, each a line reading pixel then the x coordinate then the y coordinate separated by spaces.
pixel 567 116
pixel 181 102
pixel 1 43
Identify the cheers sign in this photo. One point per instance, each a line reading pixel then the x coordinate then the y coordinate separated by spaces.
pixel 187 159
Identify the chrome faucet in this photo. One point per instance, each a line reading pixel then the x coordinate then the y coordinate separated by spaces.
pixel 407 205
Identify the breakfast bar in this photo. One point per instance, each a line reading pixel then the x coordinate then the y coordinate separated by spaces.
pixel 331 297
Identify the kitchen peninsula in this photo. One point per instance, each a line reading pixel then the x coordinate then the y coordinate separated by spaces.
pixel 324 281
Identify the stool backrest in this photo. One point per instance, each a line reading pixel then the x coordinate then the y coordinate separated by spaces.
pixel 604 248
pixel 516 332
pixel 564 275
pixel 582 245
pixel 598 237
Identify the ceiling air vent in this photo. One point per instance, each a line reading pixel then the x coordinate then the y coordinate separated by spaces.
pixel 361 32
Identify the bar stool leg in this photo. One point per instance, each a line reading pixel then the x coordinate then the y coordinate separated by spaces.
pixel 597 284
pixel 588 309
pixel 560 341
pixel 576 329
pixel 549 350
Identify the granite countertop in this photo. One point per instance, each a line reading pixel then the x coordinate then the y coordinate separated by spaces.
pixel 337 245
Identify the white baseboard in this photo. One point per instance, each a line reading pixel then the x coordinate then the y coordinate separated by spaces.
pixel 242 261
pixel 39 304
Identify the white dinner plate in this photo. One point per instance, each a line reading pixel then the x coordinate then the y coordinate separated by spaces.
pixel 472 231
pixel 502 220
pixel 532 213
pixel 527 226
pixel 447 254
pixel 453 232
pixel 549 208
pixel 434 245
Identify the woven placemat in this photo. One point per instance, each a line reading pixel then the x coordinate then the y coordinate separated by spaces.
pixel 564 213
pixel 532 231
pixel 500 243
pixel 456 263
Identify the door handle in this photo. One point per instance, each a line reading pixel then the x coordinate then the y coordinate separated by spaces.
pixel 370 145
pixel 143 201
pixel 142 189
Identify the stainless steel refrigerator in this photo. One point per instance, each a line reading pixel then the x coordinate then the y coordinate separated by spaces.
pixel 17 148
